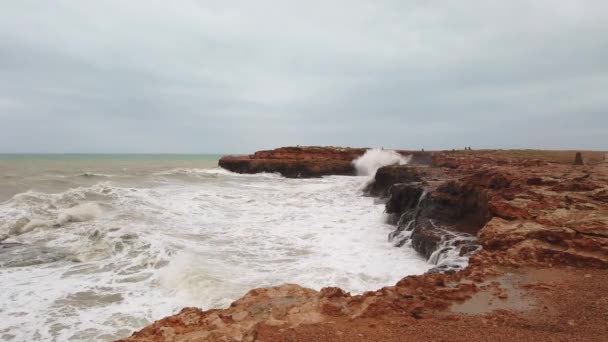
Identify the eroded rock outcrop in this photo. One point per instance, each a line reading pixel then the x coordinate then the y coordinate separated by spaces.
pixel 296 162
pixel 550 213
pixel 437 218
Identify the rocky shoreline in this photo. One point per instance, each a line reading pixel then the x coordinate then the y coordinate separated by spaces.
pixel 532 227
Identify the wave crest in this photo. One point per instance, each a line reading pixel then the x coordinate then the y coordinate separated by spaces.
pixel 373 159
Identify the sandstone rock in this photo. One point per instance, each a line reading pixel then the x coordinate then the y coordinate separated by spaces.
pixel 574 185
pixel 601 195
pixel 296 162
pixel 502 234
pixel 404 197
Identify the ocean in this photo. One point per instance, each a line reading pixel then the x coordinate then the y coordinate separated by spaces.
pixel 97 246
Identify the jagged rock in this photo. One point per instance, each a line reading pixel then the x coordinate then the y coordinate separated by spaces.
pixel 502 234
pixel 388 176
pixel 452 206
pixel 404 197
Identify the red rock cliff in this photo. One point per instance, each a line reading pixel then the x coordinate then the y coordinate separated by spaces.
pixel 296 162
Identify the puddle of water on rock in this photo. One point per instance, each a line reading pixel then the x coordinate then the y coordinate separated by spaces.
pixel 487 301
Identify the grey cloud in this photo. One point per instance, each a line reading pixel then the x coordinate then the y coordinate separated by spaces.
pixel 210 76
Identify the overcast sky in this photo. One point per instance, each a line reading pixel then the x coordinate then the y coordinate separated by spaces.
pixel 237 76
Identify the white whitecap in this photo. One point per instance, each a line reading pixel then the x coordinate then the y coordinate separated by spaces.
pixel 373 159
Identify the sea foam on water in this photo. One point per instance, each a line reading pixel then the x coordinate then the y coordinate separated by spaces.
pixel 173 239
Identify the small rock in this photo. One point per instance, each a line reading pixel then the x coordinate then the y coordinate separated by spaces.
pixel 578 159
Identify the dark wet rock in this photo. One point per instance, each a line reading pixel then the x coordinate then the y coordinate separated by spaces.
pixel 469 249
pixel 434 214
pixel 539 181
pixel 460 205
pixel 426 237
pixel 447 269
pixel 388 176
pixel 404 197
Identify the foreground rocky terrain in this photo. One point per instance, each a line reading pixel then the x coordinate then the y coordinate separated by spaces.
pixel 533 226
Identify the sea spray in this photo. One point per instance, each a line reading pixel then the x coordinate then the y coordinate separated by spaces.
pixel 81 212
pixel 373 159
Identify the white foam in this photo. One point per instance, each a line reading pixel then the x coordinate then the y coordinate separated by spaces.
pixel 80 213
pixel 156 248
pixel 217 171
pixel 36 210
pixel 373 159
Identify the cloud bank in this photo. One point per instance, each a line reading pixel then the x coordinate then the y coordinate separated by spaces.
pixel 236 76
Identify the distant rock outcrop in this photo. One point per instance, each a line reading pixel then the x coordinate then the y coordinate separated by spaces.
pixel 296 162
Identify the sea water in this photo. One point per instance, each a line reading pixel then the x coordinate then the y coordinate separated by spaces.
pixel 97 246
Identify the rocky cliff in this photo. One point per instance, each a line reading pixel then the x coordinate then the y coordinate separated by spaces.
pixel 533 226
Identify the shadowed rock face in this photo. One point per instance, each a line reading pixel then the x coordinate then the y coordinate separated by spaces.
pixel 432 212
pixel 387 176
pixel 548 213
pixel 296 162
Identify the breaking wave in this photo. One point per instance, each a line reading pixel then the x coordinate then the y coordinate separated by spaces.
pixel 373 159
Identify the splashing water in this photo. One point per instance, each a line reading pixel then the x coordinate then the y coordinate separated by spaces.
pixel 373 159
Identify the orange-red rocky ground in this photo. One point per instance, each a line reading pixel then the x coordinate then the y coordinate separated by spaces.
pixel 541 274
